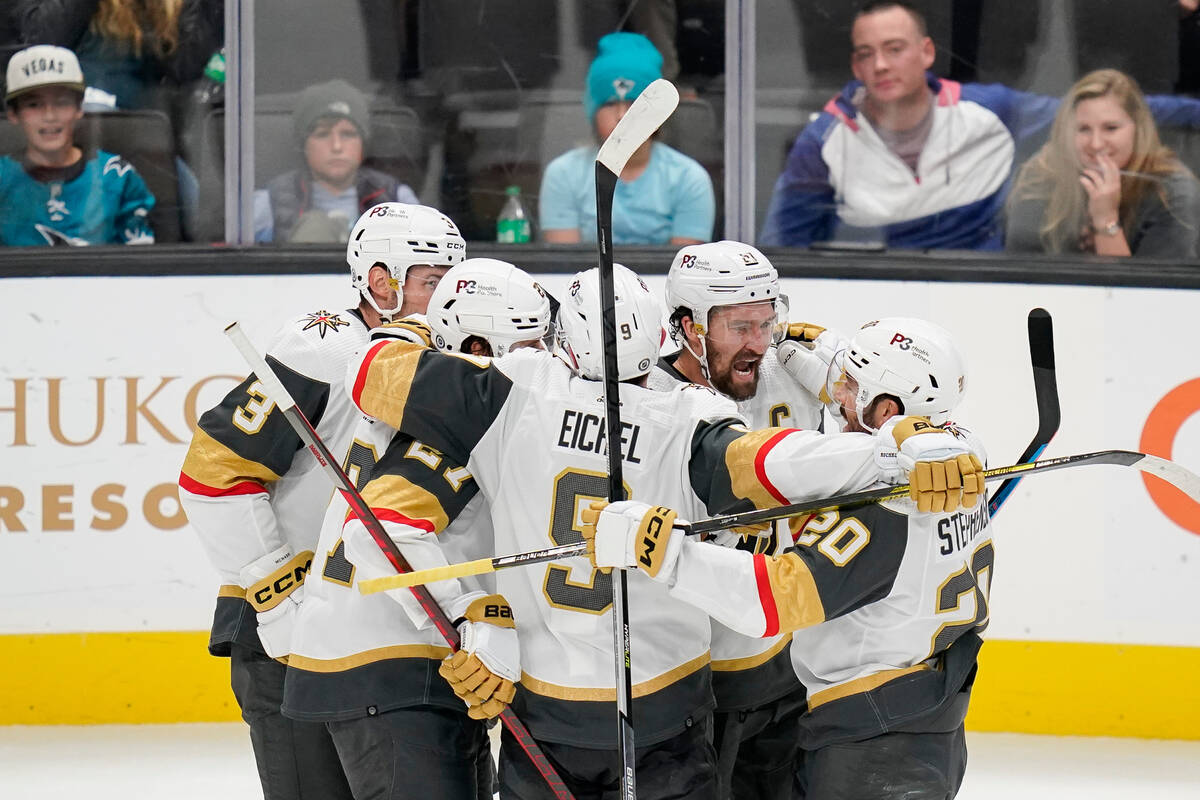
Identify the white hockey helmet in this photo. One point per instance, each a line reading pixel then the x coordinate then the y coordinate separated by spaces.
pixel 724 273
pixel 398 236
pixel 638 319
pixel 491 299
pixel 910 359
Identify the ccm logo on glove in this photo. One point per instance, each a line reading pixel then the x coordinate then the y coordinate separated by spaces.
pixel 268 592
pixel 653 525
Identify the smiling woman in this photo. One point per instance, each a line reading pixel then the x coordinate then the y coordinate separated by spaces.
pixel 1104 183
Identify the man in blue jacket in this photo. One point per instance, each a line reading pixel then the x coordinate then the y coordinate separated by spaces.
pixel 906 159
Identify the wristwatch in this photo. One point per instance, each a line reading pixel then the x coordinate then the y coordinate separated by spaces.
pixel 1111 229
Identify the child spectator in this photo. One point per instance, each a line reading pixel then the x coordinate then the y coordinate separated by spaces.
pixel 54 193
pixel 321 200
pixel 663 196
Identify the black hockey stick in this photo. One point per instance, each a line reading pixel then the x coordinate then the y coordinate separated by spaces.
pixel 646 115
pixel 1045 389
pixel 304 429
pixel 1183 479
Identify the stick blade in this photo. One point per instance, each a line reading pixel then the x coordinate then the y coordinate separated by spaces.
pixel 1182 479
pixel 647 114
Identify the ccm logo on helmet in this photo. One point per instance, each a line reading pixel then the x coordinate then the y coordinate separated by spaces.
pixel 654 531
pixel 901 341
pixel 455 246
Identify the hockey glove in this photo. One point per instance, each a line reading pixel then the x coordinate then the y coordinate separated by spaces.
pixel 274 587
pixel 943 474
pixel 806 356
pixel 802 332
pixel 632 534
pixel 484 671
pixel 412 328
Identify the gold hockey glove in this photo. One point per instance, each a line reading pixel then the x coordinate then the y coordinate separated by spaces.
pixel 487 665
pixel 943 474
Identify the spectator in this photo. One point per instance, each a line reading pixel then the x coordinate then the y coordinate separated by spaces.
pixel 53 193
pixel 321 200
pixel 1104 183
pixel 663 196
pixel 908 159
pixel 129 49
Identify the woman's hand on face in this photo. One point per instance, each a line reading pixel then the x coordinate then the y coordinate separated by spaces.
pixel 1103 186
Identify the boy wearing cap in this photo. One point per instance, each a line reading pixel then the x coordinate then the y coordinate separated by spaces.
pixel 53 193
pixel 663 197
pixel 320 201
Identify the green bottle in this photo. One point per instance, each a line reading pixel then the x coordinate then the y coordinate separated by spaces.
pixel 512 226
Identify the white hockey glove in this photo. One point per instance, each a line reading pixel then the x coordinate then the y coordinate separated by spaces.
pixel 942 472
pixel 806 353
pixel 487 665
pixel 632 534
pixel 274 587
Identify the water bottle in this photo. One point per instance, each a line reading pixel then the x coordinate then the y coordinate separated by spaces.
pixel 512 226
pixel 211 89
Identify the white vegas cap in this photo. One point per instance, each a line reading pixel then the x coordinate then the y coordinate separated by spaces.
pixel 42 65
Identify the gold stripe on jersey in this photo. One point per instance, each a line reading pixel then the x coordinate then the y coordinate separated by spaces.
pixel 385 387
pixel 642 689
pixel 230 590
pixel 215 465
pixel 399 494
pixel 742 461
pixel 860 685
pixel 797 599
pixel 309 664
pixel 750 662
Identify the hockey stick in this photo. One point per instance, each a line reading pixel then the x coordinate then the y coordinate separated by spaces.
pixel 646 115
pixel 1183 479
pixel 304 429
pixel 1045 389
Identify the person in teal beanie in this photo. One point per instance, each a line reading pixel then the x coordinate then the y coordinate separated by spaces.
pixel 663 197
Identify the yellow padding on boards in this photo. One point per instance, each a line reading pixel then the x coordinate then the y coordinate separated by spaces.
pixel 102 678
pixel 1079 689
pixel 1061 688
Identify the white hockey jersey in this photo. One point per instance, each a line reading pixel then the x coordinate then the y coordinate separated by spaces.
pixel 750 671
pixel 532 435
pixel 355 655
pixel 248 485
pixel 886 605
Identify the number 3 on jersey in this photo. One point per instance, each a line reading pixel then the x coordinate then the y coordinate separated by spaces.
pixel 250 418
pixel 573 491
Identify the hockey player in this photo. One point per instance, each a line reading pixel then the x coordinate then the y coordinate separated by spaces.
pixel 255 495
pixel 529 428
pixel 886 600
pixel 726 311
pixel 369 670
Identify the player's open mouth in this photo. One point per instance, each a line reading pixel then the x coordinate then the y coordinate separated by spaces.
pixel 51 131
pixel 745 367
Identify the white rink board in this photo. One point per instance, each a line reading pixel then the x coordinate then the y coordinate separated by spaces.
pixel 1084 555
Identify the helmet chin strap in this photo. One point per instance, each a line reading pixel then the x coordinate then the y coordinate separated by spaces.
pixel 701 358
pixel 388 315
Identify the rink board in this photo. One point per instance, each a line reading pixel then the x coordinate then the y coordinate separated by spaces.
pixel 1092 606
